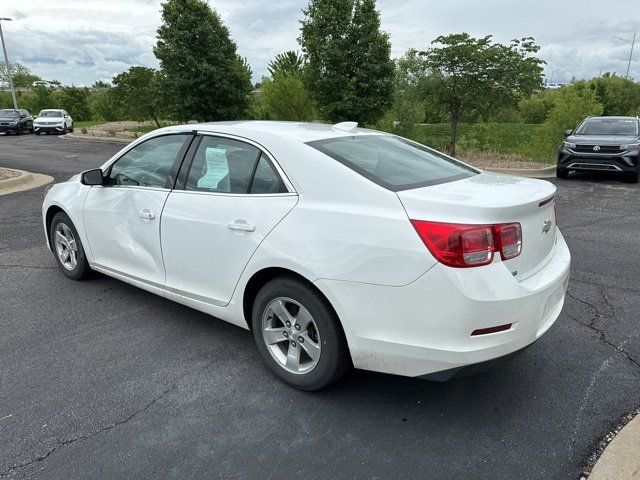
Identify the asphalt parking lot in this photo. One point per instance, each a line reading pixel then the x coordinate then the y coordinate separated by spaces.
pixel 99 379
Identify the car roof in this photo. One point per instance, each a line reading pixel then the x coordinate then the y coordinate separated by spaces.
pixel 297 131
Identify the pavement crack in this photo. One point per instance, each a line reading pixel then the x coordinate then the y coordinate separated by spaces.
pixel 89 435
pixel 596 315
pixel 111 426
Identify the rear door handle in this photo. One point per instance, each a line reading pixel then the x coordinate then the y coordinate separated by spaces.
pixel 146 214
pixel 242 226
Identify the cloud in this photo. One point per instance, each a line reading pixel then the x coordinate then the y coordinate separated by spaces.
pixel 80 41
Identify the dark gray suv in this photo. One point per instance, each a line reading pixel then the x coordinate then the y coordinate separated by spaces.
pixel 602 144
pixel 15 121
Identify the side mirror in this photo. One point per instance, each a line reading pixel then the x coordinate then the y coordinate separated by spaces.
pixel 568 132
pixel 92 177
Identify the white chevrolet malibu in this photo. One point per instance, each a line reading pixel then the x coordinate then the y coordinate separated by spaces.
pixel 337 246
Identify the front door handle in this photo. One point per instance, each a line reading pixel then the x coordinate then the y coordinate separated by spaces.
pixel 146 214
pixel 242 226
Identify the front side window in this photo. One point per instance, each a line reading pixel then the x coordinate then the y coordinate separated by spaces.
pixel 224 165
pixel 147 164
pixel 393 162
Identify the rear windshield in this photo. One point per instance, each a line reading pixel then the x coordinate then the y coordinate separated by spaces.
pixel 608 126
pixel 393 162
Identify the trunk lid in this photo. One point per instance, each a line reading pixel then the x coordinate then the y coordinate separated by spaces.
pixel 490 198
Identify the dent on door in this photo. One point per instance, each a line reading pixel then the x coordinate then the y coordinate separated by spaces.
pixel 123 230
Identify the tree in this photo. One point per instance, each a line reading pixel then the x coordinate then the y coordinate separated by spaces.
pixel 285 98
pixel 100 84
pixel 20 74
pixel 136 92
pixel 536 108
pixel 201 75
pixel 289 63
pixel 75 101
pixel 106 106
pixel 349 72
pixel 482 75
pixel 572 104
pixel 39 98
pixel 618 95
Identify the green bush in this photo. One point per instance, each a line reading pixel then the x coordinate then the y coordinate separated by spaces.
pixel 572 105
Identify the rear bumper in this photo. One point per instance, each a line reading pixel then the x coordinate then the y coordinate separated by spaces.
pixel 614 163
pixel 425 327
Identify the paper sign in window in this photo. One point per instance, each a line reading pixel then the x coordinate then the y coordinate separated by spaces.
pixel 217 176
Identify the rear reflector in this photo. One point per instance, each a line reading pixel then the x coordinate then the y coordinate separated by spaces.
pixel 485 331
pixel 462 246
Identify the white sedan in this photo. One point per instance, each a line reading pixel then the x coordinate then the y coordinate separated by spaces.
pixel 337 246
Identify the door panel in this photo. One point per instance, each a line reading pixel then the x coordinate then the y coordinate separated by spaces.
pixel 123 230
pixel 207 239
pixel 122 218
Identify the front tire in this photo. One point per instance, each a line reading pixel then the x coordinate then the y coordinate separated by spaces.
pixel 67 247
pixel 562 173
pixel 64 129
pixel 299 335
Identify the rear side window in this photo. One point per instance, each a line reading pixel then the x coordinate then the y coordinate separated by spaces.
pixel 393 162
pixel 224 165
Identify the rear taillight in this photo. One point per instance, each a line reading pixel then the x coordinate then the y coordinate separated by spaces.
pixel 460 245
pixel 510 235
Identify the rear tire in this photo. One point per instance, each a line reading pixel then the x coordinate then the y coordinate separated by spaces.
pixel 71 128
pixel 299 335
pixel 67 248
pixel 562 173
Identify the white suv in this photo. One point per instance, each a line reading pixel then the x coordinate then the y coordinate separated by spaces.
pixel 58 121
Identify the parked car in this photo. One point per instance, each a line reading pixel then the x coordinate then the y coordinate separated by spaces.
pixel 15 121
pixel 335 245
pixel 44 83
pixel 53 121
pixel 602 144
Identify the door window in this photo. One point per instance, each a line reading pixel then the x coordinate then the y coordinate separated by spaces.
pixel 147 164
pixel 225 165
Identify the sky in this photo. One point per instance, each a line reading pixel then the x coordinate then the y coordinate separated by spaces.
pixel 81 41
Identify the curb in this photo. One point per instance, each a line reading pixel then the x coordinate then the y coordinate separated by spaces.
pixel 620 460
pixel 24 181
pixel 91 138
pixel 546 172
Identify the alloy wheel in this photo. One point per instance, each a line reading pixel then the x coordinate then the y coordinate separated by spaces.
pixel 66 246
pixel 291 335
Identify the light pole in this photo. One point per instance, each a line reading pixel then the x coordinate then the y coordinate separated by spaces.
pixel 6 60
pixel 632 43
pixel 552 72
